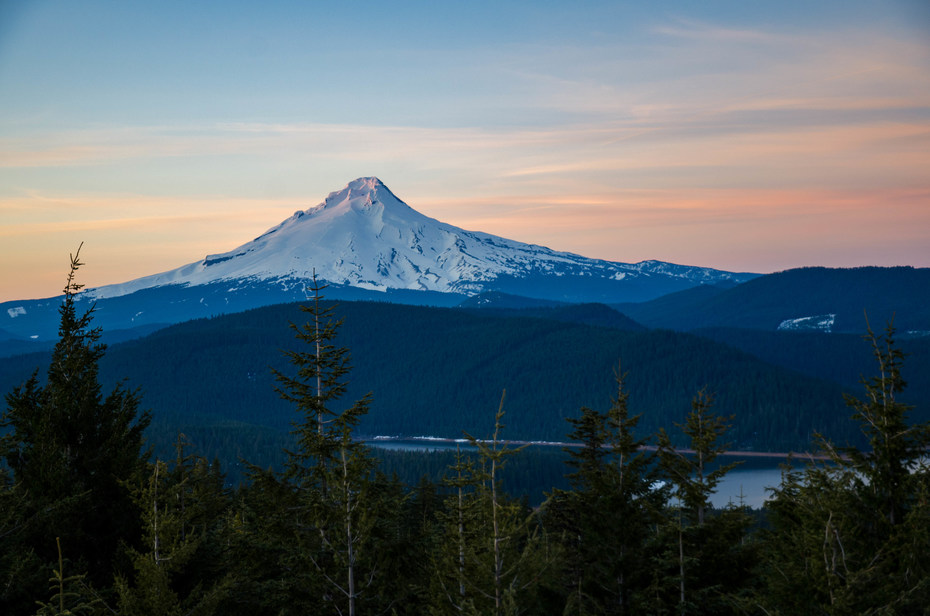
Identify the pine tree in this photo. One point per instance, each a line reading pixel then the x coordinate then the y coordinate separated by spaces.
pixel 72 451
pixel 183 511
pixel 894 444
pixel 693 476
pixel 329 471
pixel 503 530
pixel 460 525
pixel 264 551
pixel 71 595
pixel 491 555
pixel 705 556
pixel 398 546
pixel 605 519
pixel 20 568
pixel 849 533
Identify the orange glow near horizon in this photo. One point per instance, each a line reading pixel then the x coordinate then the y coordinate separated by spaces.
pixel 731 229
pixel 742 137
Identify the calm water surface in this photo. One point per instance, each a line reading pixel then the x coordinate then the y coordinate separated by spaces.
pixel 748 483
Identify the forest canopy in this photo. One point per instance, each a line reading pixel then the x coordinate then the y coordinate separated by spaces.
pixel 91 522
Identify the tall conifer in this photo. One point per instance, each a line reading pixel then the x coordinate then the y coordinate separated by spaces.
pixel 72 450
pixel 329 470
pixel 849 535
pixel 605 520
pixel 178 568
pixel 706 557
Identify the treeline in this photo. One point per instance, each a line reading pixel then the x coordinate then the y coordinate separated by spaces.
pixel 91 524
pixel 436 371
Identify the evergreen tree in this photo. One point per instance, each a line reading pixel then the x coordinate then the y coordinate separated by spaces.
pixel 270 574
pixel 703 563
pixel 605 520
pixel 73 451
pixel 398 546
pixel 895 445
pixel 849 534
pixel 406 545
pixel 330 536
pixel 183 514
pixel 459 529
pixel 21 570
pixel 692 474
pixel 491 556
pixel 71 595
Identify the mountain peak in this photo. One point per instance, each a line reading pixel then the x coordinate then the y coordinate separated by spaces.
pixel 363 236
pixel 358 195
pixel 360 187
pixel 365 184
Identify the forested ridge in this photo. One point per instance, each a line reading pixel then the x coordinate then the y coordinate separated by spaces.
pixel 435 371
pixel 901 293
pixel 92 523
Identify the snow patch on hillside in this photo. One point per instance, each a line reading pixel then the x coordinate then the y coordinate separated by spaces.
pixel 823 322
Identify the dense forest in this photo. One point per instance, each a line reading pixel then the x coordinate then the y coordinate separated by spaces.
pixel 91 522
pixel 436 371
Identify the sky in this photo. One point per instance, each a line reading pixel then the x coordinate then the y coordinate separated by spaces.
pixel 745 136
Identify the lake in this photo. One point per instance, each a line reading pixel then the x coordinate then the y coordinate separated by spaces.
pixel 749 481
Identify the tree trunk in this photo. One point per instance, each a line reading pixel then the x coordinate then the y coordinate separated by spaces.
pixel 681 571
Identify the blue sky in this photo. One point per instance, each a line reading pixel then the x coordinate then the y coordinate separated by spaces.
pixel 740 135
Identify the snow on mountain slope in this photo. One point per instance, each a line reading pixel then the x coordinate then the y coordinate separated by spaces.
pixel 364 236
pixel 823 322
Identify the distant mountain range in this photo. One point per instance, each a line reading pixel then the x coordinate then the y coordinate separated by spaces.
pixel 367 244
pixel 806 299
pixel 548 326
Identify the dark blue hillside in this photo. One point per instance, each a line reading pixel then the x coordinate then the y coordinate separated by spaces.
pixel 599 315
pixel 438 372
pixel 841 358
pixel 765 302
pixel 156 307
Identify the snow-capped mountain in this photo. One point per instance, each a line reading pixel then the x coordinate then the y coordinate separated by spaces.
pixel 363 236
pixel 365 243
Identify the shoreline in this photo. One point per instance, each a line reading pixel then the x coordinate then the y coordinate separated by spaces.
pixel 796 455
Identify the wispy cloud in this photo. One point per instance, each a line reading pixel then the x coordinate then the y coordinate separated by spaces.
pixel 727 227
pixel 684 139
pixel 37 213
